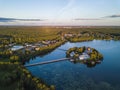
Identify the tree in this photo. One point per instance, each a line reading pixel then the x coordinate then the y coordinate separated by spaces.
pixel 14 58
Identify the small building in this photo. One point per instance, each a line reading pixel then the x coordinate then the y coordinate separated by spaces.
pixel 37 48
pixel 72 54
pixel 12 44
pixel 38 44
pixel 46 42
pixel 68 35
pixel 79 35
pixel 29 48
pixel 84 56
pixel 88 50
pixel 28 45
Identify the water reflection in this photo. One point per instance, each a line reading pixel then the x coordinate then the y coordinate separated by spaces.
pixel 89 64
pixel 104 75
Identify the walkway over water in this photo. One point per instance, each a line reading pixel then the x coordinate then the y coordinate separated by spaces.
pixel 62 49
pixel 47 62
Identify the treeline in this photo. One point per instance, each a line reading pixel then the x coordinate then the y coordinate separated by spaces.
pixel 16 77
pixel 14 72
pixel 80 39
pixel 19 56
pixel 88 36
pixel 22 35
pixel 31 55
pixel 40 33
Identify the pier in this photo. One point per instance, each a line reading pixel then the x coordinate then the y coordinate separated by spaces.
pixel 47 62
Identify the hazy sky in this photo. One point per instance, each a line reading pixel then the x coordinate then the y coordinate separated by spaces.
pixel 60 12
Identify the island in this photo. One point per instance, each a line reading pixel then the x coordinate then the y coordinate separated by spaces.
pixel 86 55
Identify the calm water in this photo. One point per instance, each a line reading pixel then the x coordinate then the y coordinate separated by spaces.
pixel 68 76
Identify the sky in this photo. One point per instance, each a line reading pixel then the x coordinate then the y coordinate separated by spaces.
pixel 60 12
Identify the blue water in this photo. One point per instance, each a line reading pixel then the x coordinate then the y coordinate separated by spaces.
pixel 68 76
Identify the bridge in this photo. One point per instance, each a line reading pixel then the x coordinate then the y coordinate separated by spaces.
pixel 62 49
pixel 47 62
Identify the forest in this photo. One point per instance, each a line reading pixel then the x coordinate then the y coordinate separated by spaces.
pixel 12 71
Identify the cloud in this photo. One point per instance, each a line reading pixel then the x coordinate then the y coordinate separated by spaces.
pixel 87 19
pixel 14 19
pixel 101 18
pixel 30 19
pixel 113 16
pixel 6 19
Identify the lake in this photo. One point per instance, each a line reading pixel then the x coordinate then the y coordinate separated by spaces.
pixel 69 76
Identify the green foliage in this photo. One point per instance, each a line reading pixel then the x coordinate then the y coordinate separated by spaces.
pixel 80 39
pixel 14 58
pixel 23 35
pixel 16 77
pixel 94 55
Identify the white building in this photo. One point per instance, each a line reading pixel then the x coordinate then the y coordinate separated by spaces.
pixel 15 48
pixel 84 56
pixel 72 54
pixel 68 35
